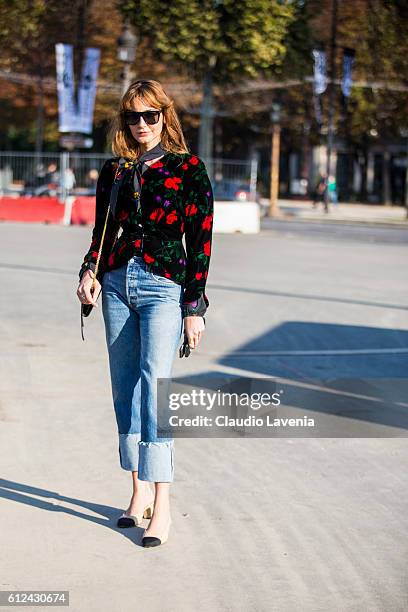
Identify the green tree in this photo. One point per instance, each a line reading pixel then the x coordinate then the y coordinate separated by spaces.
pixel 30 29
pixel 214 42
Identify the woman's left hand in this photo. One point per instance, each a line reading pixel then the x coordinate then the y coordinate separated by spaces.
pixel 194 327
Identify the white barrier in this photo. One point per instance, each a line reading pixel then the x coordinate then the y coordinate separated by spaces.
pixel 230 217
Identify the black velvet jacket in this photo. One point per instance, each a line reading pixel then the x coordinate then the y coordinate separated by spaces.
pixel 175 200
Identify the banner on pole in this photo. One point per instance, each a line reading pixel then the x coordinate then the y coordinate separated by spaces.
pixel 87 90
pixel 319 77
pixel 347 80
pixel 65 87
pixel 76 117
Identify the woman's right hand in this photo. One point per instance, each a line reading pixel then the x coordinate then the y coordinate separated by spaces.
pixel 84 289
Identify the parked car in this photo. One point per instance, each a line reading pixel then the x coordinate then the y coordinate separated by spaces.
pixel 232 190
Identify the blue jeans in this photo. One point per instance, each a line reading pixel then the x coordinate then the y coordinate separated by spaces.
pixel 333 197
pixel 143 326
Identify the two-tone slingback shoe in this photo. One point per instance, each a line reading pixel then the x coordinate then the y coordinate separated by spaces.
pixel 133 520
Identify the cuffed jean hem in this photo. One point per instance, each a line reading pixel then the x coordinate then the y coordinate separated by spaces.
pixel 129 451
pixel 156 461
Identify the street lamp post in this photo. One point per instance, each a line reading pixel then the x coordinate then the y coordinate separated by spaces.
pixel 406 179
pixel 330 133
pixel 207 114
pixel 404 134
pixel 273 210
pixel 127 43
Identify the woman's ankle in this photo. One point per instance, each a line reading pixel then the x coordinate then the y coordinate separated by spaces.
pixel 161 510
pixel 142 493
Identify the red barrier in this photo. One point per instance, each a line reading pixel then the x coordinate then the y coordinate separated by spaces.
pixel 47 210
pixel 42 210
pixel 83 211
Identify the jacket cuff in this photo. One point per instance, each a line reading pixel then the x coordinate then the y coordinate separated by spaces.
pixel 85 267
pixel 196 308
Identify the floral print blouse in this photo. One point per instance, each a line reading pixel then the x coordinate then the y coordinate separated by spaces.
pixel 175 199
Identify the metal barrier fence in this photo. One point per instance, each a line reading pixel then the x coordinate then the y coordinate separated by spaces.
pixel 69 174
pixel 230 176
pixel 49 174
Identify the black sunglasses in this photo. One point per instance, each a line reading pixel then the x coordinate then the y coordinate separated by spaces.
pixel 133 117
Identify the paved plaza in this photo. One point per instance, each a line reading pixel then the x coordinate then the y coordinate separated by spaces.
pixel 263 524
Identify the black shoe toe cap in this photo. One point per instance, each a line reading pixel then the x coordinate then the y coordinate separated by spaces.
pixel 125 522
pixel 149 541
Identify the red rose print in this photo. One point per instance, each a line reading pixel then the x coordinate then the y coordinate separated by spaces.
pixel 194 160
pixel 94 254
pixel 157 214
pixel 111 259
pixel 198 275
pixel 184 166
pixel 207 222
pixel 172 183
pixel 182 227
pixel 148 258
pixel 171 217
pixel 137 243
pixel 191 209
pixel 207 248
pixel 157 164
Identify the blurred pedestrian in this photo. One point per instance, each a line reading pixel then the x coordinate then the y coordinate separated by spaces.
pixel 320 190
pixel 91 180
pixel 69 180
pixel 52 174
pixel 332 187
pixel 48 183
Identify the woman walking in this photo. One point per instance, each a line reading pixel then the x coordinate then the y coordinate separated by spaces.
pixel 151 286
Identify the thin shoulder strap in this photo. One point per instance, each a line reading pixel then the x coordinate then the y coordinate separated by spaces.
pixel 116 185
pixel 111 206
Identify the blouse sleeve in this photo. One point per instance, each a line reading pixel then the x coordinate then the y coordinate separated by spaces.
pixel 103 189
pixel 199 212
